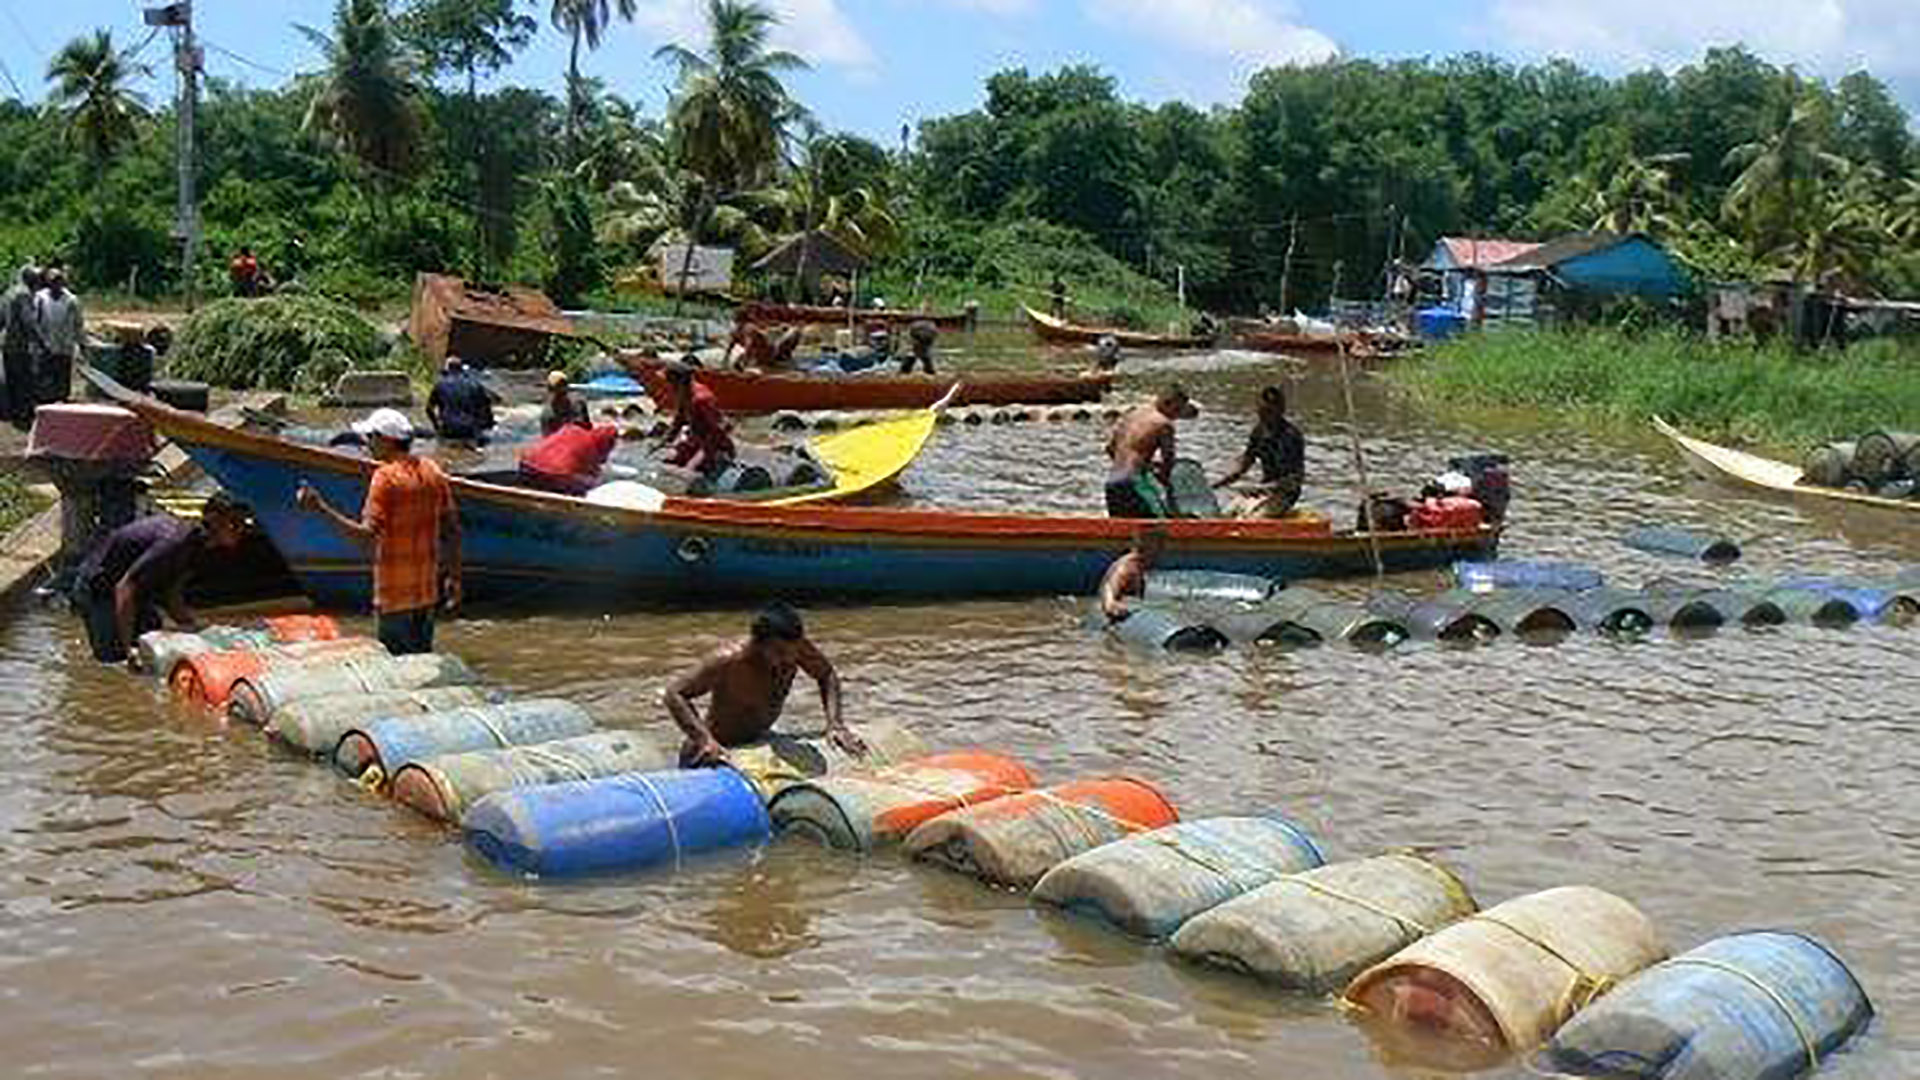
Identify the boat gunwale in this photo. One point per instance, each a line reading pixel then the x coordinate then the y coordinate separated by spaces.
pixel 1705 453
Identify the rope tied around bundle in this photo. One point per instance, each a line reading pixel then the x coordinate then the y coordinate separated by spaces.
pixel 666 811
pixel 1807 1041
pixel 1586 988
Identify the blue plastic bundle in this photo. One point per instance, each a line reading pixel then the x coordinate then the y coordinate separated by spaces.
pixel 617 823
pixel 1685 543
pixel 396 742
pixel 1757 1006
pixel 1521 574
pixel 1166 629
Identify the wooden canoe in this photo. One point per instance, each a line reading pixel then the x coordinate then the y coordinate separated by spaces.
pixel 755 311
pixel 1062 332
pixel 1750 470
pixel 532 548
pixel 759 393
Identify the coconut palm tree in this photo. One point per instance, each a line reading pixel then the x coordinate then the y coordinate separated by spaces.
pixel 1903 216
pixel 1780 172
pixel 1637 198
pixel 90 78
pixel 365 102
pixel 1841 233
pixel 730 113
pixel 585 22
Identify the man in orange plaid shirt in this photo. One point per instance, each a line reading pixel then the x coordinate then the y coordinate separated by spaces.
pixel 414 527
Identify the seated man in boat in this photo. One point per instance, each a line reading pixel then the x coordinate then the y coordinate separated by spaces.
pixel 562 408
pixel 459 408
pixel 1281 451
pixel 700 428
pixel 145 565
pixel 1128 574
pixel 569 461
pixel 921 334
pixel 1141 450
pixel 747 684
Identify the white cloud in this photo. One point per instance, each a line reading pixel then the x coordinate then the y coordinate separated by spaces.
pixel 1827 37
pixel 815 29
pixel 1249 33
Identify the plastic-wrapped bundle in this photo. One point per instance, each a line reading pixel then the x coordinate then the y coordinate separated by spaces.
pixel 1615 612
pixel 443 787
pixel 1314 931
pixel 1446 617
pixel 1165 628
pixel 208 679
pixel 1871 603
pixel 1507 978
pixel 1015 840
pixel 1685 610
pixel 628 822
pixel 1881 456
pixel 1181 586
pixel 291 628
pixel 1683 542
pixel 1301 618
pixel 158 652
pixel 1830 465
pixel 393 743
pixel 316 725
pixel 1189 492
pixel 782 759
pixel 1756 1005
pixel 1532 613
pixel 256 698
pixel 866 810
pixel 1150 884
pixel 1814 608
pixel 1521 574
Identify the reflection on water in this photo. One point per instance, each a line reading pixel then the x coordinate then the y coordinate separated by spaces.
pixel 185 899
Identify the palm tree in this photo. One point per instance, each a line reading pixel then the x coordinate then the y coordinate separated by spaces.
pixel 365 102
pixel 1777 188
pixel 731 111
pixel 1841 234
pixel 1903 216
pixel 89 80
pixel 1637 198
pixel 586 22
pixel 818 193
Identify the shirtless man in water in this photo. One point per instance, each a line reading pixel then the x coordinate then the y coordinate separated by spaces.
pixel 748 681
pixel 1143 441
pixel 1128 574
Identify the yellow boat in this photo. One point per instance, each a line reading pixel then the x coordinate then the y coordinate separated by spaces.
pixel 866 457
pixel 1724 463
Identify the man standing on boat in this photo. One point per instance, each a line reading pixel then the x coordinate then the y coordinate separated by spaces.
pixel 1141 450
pixel 748 682
pixel 1128 574
pixel 1277 445
pixel 698 424
pixel 414 527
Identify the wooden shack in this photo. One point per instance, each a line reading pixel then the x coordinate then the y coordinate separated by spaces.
pixel 491 326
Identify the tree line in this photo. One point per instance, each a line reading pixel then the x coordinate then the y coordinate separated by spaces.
pixel 387 157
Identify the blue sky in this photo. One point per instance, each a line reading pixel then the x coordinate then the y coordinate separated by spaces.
pixel 879 63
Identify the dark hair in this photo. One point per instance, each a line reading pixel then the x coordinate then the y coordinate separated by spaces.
pixel 1274 395
pixel 679 374
pixel 221 504
pixel 778 622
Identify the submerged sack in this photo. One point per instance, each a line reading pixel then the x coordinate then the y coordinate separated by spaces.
pixel 1506 978
pixel 392 744
pixel 1150 884
pixel 443 787
pixel 867 809
pixel 1314 931
pixel 1015 840
pixel 1749 1005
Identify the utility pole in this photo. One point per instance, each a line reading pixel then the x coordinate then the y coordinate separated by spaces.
pixel 178 18
pixel 1286 268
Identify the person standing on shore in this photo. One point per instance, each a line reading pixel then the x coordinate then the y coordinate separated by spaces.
pixel 63 331
pixel 20 343
pixel 414 526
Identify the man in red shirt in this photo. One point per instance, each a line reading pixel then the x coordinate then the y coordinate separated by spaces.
pixel 701 428
pixel 411 520
pixel 569 460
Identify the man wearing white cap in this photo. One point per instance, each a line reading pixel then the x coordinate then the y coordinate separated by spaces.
pixel 411 520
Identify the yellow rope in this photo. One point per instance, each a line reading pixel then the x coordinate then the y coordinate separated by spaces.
pixel 666 813
pixel 1807 1040
pixel 1419 928
pixel 1586 985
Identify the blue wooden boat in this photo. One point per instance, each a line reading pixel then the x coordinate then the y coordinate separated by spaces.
pixel 533 547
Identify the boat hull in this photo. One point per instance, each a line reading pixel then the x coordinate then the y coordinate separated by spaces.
pixel 1059 331
pixel 820 315
pixel 756 393
pixel 1727 465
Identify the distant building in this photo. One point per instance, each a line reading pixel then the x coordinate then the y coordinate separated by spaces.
pixel 1455 258
pixel 1525 283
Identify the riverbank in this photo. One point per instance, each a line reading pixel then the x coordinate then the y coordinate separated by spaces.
pixel 1759 395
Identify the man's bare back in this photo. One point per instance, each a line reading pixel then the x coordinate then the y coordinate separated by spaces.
pixel 747 683
pixel 1137 437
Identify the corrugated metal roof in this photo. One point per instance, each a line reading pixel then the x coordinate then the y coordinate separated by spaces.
pixel 1466 251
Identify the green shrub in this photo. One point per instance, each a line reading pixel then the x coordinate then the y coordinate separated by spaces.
pixel 282 342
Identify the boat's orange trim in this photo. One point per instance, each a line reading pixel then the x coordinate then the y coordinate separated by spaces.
pixel 755 392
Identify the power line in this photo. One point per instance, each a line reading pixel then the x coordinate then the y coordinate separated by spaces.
pixel 24 34
pixel 8 74
pixel 238 59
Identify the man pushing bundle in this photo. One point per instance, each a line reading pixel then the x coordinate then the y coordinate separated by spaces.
pixel 748 683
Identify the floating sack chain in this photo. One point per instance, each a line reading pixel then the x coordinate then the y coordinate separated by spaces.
pixel 1587 987
pixel 666 812
pixel 1361 902
pixel 375 777
pixel 553 757
pixel 1807 1041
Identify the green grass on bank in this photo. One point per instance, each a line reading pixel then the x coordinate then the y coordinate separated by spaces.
pixel 1765 395
pixel 17 503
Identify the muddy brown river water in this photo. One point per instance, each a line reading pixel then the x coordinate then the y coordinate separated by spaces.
pixel 181 900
